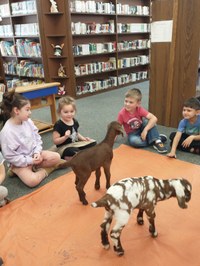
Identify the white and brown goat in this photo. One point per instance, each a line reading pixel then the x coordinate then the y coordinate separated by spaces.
pixel 137 193
pixel 92 159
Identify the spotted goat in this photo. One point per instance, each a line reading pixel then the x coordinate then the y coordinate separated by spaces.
pixel 141 193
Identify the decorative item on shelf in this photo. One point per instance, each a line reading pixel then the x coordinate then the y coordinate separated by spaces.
pixel 58 49
pixel 61 90
pixel 61 71
pixel 53 8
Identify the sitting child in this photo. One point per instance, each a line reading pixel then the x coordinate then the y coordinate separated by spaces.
pixel 65 133
pixel 139 124
pixel 187 137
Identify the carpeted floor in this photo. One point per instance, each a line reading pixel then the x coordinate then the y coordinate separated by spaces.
pixel 50 227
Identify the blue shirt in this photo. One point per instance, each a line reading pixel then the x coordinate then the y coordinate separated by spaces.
pixel 191 129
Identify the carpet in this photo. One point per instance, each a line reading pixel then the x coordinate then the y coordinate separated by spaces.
pixel 50 227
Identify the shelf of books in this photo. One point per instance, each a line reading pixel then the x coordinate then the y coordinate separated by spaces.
pixel 88 46
pixel 110 44
pixel 20 43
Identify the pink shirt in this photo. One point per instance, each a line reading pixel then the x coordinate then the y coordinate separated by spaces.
pixel 130 121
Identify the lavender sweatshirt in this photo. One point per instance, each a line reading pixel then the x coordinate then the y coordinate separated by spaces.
pixel 20 142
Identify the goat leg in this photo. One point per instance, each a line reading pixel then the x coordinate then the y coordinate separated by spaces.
pixel 97 182
pixel 105 226
pixel 107 174
pixel 115 236
pixel 79 187
pixel 151 216
pixel 140 219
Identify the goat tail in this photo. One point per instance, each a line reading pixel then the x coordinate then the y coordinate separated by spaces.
pixel 103 202
pixel 64 164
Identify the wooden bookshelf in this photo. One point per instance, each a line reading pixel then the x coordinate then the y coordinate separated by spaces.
pixel 21 58
pixel 103 27
pixel 105 54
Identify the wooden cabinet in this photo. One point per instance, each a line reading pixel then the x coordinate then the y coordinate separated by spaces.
pixel 87 46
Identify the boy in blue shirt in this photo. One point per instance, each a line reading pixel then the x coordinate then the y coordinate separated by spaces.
pixel 187 137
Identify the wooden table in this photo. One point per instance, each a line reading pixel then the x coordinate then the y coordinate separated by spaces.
pixel 40 96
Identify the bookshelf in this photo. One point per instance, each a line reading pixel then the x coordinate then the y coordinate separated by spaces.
pixel 21 58
pixel 110 44
pixel 98 45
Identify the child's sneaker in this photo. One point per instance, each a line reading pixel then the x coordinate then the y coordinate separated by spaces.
pixel 163 138
pixel 159 146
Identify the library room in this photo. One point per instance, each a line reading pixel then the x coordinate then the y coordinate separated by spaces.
pixel 99 107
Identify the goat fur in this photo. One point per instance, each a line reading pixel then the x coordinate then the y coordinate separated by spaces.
pixel 141 193
pixel 92 159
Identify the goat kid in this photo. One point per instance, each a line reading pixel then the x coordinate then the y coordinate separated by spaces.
pixel 142 193
pixel 92 159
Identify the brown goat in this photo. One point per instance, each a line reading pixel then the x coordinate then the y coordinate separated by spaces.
pixel 137 193
pixel 92 159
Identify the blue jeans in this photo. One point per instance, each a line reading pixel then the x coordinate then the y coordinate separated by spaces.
pixel 134 138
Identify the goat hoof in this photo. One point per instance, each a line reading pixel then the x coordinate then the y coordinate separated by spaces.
pixel 106 246
pixel 154 235
pixel 140 221
pixel 119 251
pixel 85 202
pixel 97 187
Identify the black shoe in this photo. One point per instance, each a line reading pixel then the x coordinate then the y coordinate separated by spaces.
pixel 159 146
pixel 163 138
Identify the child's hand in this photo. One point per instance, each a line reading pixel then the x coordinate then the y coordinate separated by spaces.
pixel 171 155
pixel 67 133
pixel 144 134
pixel 186 143
pixel 87 139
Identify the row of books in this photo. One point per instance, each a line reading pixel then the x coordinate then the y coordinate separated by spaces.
pixel 95 67
pixel 94 48
pixel 17 82
pixel 4 10
pixel 7 48
pixel 92 6
pixel 112 81
pixel 92 27
pixel 132 77
pixel 133 45
pixel 24 7
pixel 96 85
pixel 25 69
pixel 28 29
pixel 6 30
pixel 23 48
pixel 133 61
pixel 28 48
pixel 18 8
pixel 126 9
pixel 133 27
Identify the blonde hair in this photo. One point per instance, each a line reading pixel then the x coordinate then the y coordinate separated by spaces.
pixel 134 93
pixel 67 100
